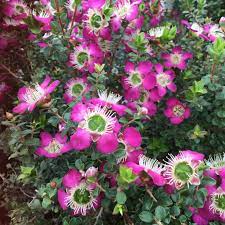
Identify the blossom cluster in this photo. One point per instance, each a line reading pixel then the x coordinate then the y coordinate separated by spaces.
pixel 96 113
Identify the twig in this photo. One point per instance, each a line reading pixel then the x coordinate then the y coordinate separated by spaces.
pixel 9 71
pixel 73 19
pixel 127 219
pixel 212 72
pixel 58 12
pixel 98 216
pixel 100 187
pixel 150 193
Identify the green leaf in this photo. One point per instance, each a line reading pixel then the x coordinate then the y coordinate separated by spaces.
pixel 175 210
pixel 208 181
pixel 121 197
pixel 46 202
pixel 160 213
pixel 146 216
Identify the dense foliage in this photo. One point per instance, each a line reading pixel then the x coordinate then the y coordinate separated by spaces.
pixel 122 120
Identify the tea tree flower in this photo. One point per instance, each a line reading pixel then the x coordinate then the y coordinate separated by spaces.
pixel 30 97
pixel 176 59
pixel 75 88
pixel 181 170
pixel 176 111
pixel 97 124
pixel 85 56
pixel 218 202
pixel 164 80
pixel 110 100
pixel 52 147
pixel 152 167
pixel 77 194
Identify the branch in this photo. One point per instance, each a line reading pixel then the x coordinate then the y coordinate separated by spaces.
pixel 98 216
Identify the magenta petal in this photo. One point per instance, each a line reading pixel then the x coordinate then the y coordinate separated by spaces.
pixel 134 156
pixel 46 81
pixel 129 67
pixel 177 49
pixel 60 138
pixel 80 140
pixel 62 195
pixel 172 87
pixel 172 102
pixel 159 68
pixel 193 155
pixel 107 143
pixel 200 220
pixel 72 178
pixel 136 169
pixel 78 112
pixel 168 112
pixel 66 148
pixel 187 55
pixel 165 55
pixel 149 82
pixel 187 113
pixel 176 120
pixel 132 13
pixel 156 178
pixel 52 87
pixel 161 90
pixel 120 109
pixel 132 136
pixel 144 67
pixel 151 106
pixel 22 91
pixel 20 108
pixel 46 138
pixel 96 3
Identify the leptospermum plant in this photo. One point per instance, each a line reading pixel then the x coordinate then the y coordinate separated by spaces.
pixel 119 76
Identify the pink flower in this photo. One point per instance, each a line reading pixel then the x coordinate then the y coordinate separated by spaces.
pixel 124 9
pixel 182 169
pixel 110 100
pixel 176 111
pixel 78 194
pixel 97 124
pixel 51 147
pixel 177 58
pixel 85 56
pixel 213 31
pixel 30 97
pixel 138 77
pixel 164 80
pixel 150 166
pixel 75 88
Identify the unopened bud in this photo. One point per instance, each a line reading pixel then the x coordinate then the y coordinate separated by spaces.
pixel 9 115
pixel 53 184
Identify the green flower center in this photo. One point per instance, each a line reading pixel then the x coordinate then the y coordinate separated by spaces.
pixel 20 9
pixel 220 201
pixel 163 79
pixel 77 89
pixel 178 110
pixel 97 123
pixel 183 171
pixel 53 147
pixel 96 21
pixel 175 58
pixel 82 57
pixel 82 196
pixel 136 79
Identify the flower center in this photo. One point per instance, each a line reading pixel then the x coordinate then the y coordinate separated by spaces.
pixel 53 147
pixel 175 58
pixel 82 196
pixel 136 79
pixel 33 95
pixel 82 57
pixel 19 9
pixel 77 89
pixel 220 201
pixel 183 171
pixel 96 21
pixel 163 79
pixel 97 123
pixel 178 110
